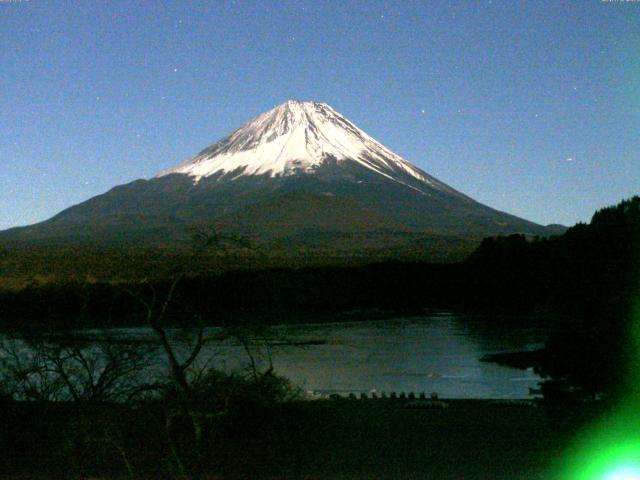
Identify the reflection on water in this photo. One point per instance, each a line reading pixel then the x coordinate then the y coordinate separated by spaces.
pixel 434 354
pixel 419 354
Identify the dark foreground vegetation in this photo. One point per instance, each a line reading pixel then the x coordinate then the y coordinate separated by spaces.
pixel 84 410
pixel 350 439
pixel 81 410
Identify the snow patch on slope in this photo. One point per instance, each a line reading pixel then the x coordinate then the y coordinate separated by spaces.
pixel 298 137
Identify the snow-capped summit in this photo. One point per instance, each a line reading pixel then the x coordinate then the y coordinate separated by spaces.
pixel 299 137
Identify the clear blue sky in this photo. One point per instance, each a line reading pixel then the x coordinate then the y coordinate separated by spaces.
pixel 532 107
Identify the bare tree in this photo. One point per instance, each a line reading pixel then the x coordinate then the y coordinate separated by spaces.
pixel 156 308
pixel 66 369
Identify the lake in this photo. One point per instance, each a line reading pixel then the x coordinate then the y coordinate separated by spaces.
pixel 435 353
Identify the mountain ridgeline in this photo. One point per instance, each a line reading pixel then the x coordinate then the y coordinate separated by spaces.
pixel 297 179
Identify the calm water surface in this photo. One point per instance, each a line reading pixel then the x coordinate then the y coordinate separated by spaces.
pixel 439 353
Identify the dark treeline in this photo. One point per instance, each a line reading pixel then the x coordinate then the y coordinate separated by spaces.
pixel 591 277
pixel 271 296
pixel 582 270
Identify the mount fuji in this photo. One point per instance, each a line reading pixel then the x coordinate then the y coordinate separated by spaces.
pixel 298 177
pixel 297 138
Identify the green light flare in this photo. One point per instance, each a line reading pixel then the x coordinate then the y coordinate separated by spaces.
pixel 607 450
pixel 610 448
pixel 605 458
pixel 624 473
